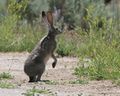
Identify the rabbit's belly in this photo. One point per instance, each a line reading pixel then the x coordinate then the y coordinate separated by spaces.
pixel 47 58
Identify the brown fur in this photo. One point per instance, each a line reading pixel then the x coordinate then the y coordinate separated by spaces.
pixel 35 64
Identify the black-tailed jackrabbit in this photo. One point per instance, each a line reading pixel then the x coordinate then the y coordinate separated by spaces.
pixel 36 61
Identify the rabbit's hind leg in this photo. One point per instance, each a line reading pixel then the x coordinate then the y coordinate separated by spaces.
pixel 38 77
pixel 32 78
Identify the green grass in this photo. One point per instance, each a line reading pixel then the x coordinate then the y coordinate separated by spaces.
pixel 51 82
pixel 103 49
pixel 79 81
pixel 24 38
pixel 5 75
pixel 3 80
pixel 68 44
pixel 6 85
pixel 18 38
pixel 34 91
pixel 116 82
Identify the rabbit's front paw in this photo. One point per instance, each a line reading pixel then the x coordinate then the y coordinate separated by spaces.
pixel 53 64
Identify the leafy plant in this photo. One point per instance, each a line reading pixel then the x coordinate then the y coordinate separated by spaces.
pixel 6 85
pixel 32 92
pixel 5 75
pixel 103 50
pixel 14 38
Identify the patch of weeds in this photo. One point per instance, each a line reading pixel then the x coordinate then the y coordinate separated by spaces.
pixel 79 82
pixel 38 92
pixel 51 82
pixel 6 75
pixel 14 38
pixel 116 82
pixel 105 58
pixel 6 85
pixel 80 94
pixel 69 43
pixel 66 50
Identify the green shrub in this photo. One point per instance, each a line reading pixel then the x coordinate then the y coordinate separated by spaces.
pixel 14 37
pixel 103 49
pixel 65 48
pixel 68 44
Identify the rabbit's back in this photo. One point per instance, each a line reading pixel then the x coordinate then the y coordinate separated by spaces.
pixel 42 51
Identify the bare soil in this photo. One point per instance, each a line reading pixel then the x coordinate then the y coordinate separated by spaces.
pixel 59 78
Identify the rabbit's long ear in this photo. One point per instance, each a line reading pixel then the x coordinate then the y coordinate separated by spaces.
pixel 43 14
pixel 47 18
pixel 44 17
pixel 50 17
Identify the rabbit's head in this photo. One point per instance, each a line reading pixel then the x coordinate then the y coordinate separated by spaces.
pixel 50 21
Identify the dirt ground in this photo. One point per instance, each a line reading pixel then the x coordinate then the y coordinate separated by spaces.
pixel 60 78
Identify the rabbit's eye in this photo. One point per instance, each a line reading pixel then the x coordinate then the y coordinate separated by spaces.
pixel 56 29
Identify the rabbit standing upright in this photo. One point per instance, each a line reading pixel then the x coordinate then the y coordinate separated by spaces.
pixel 35 64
